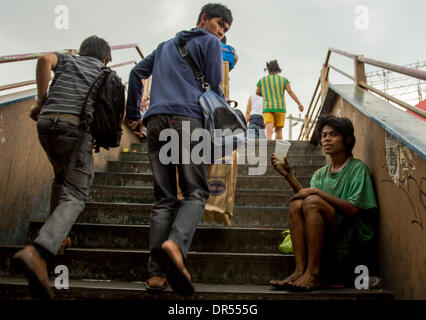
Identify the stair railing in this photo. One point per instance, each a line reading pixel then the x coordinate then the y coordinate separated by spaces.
pixel 360 80
pixel 33 56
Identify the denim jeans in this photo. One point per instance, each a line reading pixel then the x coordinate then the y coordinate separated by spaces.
pixel 166 223
pixel 72 163
pixel 258 129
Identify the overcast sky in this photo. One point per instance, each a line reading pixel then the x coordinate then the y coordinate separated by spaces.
pixel 296 33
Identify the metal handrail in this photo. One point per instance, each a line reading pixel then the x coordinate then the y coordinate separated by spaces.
pixel 33 56
pixel 418 74
pixel 341 72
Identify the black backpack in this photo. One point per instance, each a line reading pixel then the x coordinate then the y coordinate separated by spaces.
pixel 109 110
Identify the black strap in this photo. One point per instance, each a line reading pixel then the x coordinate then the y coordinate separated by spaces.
pixel 198 74
pixel 83 116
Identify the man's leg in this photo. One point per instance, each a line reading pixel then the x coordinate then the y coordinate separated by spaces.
pixel 279 124
pixel 195 191
pixel 317 213
pixel 298 241
pixel 194 187
pixel 268 120
pixel 78 176
pixel 163 212
pixel 60 144
pixel 165 192
pixel 269 130
pixel 278 133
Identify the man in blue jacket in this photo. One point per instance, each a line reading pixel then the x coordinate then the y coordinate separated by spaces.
pixel 174 105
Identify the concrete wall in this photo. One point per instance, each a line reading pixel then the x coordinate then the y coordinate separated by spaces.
pixel 26 173
pixel 399 176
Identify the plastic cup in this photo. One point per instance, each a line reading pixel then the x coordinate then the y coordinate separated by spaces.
pixel 281 149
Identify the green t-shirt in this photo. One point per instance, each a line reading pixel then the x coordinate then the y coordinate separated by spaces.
pixel 273 92
pixel 352 183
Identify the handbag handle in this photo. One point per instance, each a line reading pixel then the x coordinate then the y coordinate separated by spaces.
pixel 198 74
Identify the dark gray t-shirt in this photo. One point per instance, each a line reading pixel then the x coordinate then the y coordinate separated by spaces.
pixel 73 77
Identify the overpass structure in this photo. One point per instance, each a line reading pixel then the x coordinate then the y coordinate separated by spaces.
pixel 110 238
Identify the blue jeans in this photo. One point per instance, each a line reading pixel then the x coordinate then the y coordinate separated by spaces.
pixel 257 126
pixel 72 163
pixel 169 218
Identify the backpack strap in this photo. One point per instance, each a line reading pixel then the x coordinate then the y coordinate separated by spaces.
pixel 198 74
pixel 84 123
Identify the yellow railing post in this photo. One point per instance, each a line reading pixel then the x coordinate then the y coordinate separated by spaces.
pixel 225 81
pixel 324 81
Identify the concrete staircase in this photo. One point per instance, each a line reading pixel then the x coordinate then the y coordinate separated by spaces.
pixel 110 250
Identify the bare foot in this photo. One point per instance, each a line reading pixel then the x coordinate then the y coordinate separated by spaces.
pixel 309 281
pixel 65 244
pixel 287 281
pixel 157 282
pixel 175 254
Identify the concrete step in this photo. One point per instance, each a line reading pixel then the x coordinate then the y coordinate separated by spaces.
pixel 302 170
pixel 131 265
pixel 139 213
pixel 297 147
pixel 295 158
pixel 246 197
pixel 124 179
pixel 206 239
pixel 15 288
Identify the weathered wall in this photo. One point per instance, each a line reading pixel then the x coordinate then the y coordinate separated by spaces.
pixel 25 171
pixel 399 176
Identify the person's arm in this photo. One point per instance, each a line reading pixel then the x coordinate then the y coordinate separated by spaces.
pixel 248 110
pixel 45 64
pixel 293 96
pixel 139 72
pixel 284 169
pixel 258 91
pixel 344 206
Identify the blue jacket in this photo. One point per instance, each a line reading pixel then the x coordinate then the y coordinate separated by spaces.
pixel 174 88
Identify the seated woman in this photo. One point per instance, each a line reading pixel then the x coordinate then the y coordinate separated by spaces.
pixel 332 223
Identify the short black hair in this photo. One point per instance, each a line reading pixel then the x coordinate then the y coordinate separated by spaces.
pixel 342 125
pixel 214 10
pixel 95 47
pixel 273 67
pixel 223 40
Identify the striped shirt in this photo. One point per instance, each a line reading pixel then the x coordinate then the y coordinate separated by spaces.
pixel 73 77
pixel 273 88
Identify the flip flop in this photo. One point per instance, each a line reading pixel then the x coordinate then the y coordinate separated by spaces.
pixel 155 289
pixel 177 279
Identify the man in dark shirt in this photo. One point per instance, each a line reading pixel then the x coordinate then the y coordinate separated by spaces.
pixel 68 147
pixel 174 105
